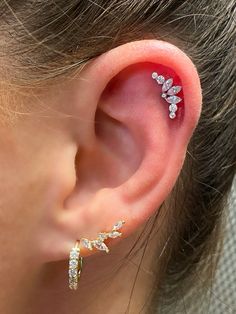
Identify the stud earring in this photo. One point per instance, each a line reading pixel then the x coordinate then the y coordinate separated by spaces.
pixel 169 93
pixel 75 260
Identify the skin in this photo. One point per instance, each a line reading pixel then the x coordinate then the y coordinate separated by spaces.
pixel 64 177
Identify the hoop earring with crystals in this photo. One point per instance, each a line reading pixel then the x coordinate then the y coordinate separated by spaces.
pixel 76 261
pixel 75 266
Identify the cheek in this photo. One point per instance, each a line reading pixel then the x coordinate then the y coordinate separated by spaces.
pixel 29 187
pixel 24 196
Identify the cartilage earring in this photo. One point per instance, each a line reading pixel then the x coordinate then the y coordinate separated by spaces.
pixel 169 93
pixel 75 260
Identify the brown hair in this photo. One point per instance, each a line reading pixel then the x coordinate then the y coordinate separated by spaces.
pixel 41 40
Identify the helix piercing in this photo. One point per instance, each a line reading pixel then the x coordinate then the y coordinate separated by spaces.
pixel 169 93
pixel 75 260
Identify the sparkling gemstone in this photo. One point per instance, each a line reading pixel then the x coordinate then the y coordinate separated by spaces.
pixel 103 235
pixel 114 234
pixel 154 75
pixel 74 253
pixel 173 99
pixel 163 95
pixel 118 225
pixel 101 246
pixel 160 79
pixel 172 115
pixel 174 90
pixel 73 272
pixel 168 83
pixel 73 263
pixel 173 108
pixel 86 243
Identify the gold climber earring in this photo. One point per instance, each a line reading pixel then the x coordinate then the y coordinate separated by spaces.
pixel 76 261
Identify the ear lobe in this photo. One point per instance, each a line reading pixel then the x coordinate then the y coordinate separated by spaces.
pixel 134 152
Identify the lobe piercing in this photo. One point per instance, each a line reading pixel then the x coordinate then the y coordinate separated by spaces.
pixel 169 93
pixel 76 261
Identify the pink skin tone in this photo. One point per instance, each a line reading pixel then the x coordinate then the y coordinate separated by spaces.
pixel 64 177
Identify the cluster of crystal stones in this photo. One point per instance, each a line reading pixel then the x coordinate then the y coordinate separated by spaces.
pixel 75 267
pixel 99 242
pixel 169 93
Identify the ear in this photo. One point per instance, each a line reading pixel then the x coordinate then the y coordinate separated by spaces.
pixel 129 152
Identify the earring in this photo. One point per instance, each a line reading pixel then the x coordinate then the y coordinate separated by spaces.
pixel 75 266
pixel 169 93
pixel 75 260
pixel 99 242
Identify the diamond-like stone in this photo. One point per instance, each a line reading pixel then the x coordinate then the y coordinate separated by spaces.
pixel 172 115
pixel 173 108
pixel 86 243
pixel 114 234
pixel 118 225
pixel 73 272
pixel 173 99
pixel 74 253
pixel 101 246
pixel 154 75
pixel 168 83
pixel 174 90
pixel 160 79
pixel 102 235
pixel 73 263
pixel 163 95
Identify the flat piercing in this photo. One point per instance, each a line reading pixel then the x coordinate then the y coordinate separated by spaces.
pixel 169 93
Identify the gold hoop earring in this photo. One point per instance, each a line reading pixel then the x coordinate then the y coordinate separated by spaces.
pixel 75 266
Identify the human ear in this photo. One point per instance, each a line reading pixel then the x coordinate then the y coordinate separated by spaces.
pixel 129 152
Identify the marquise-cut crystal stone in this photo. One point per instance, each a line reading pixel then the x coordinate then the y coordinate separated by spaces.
pixel 160 79
pixel 101 246
pixel 174 90
pixel 154 75
pixel 173 99
pixel 173 108
pixel 86 243
pixel 168 83
pixel 114 234
pixel 118 225
pixel 103 235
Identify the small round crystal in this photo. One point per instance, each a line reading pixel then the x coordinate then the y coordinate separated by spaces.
pixel 173 108
pixel 160 79
pixel 154 75
pixel 172 115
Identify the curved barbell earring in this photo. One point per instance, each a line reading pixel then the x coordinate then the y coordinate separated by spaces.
pixel 169 93
pixel 76 261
